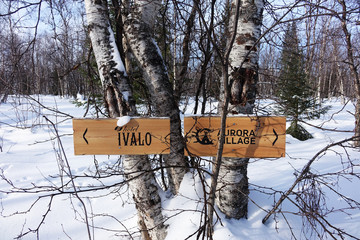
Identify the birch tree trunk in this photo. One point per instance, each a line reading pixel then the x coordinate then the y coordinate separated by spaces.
pixel 183 68
pixel 232 187
pixel 138 30
pixel 322 66
pixel 353 68
pixel 117 94
pixel 119 102
pixel 145 192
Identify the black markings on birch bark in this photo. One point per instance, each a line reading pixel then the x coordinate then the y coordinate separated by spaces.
pixel 232 187
pixel 140 39
pixel 119 102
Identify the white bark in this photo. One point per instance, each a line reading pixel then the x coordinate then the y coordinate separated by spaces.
pixel 111 69
pixel 118 97
pixel 244 56
pixel 353 68
pixel 139 37
pixel 102 38
pixel 232 186
pixel 247 33
pixel 145 194
pixel 148 10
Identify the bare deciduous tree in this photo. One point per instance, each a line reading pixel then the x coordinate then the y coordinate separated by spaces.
pixel 232 189
pixel 138 25
pixel 119 102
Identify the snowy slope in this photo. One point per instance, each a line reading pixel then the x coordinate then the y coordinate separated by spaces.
pixel 30 156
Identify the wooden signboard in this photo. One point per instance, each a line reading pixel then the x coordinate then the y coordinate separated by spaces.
pixel 138 137
pixel 258 137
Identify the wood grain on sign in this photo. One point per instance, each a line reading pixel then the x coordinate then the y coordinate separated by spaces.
pixel 258 137
pixel 138 137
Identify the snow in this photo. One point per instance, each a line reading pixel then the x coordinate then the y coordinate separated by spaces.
pixel 115 54
pixel 126 94
pixel 123 120
pixel 31 156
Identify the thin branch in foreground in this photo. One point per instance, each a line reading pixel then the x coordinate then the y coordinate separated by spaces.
pixel 71 177
pixel 302 174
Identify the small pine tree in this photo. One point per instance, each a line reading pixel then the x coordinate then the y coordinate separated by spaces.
pixel 296 97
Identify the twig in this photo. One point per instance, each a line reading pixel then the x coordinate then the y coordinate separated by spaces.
pixel 48 108
pixel 71 178
pixel 302 174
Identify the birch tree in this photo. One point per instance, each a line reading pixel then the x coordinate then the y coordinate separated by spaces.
pixel 119 102
pixel 232 187
pixel 351 56
pixel 138 23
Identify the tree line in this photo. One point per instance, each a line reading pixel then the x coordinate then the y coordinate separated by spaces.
pixel 58 60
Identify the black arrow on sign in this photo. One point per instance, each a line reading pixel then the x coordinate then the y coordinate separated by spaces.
pixel 276 137
pixel 87 140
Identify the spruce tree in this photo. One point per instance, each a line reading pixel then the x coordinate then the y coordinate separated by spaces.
pixel 296 97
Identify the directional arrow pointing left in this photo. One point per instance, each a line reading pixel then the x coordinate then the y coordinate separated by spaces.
pixel 84 136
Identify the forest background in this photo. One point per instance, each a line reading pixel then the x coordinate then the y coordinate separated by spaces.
pixel 46 50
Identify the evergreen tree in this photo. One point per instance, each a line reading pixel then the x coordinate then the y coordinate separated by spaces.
pixel 296 98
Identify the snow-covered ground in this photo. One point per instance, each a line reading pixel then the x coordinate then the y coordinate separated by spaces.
pixel 30 166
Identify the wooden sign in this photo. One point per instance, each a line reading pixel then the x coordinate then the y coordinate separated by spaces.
pixel 258 137
pixel 138 137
